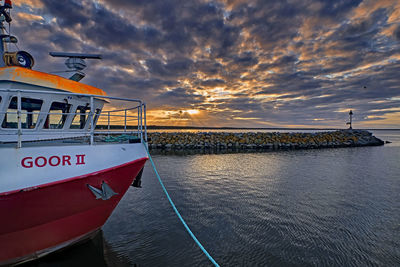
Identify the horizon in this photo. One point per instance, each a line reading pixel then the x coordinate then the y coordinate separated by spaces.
pixel 166 127
pixel 230 63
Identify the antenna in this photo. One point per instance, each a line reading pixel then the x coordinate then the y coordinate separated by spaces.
pixel 75 55
pixel 76 62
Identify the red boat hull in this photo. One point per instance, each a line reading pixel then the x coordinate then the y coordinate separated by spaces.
pixel 44 218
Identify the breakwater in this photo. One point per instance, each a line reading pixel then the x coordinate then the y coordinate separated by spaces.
pixel 261 140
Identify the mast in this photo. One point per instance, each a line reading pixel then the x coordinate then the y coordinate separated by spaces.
pixel 4 17
pixel 3 46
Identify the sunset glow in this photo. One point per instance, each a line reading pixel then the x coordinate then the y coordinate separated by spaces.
pixel 231 63
pixel 192 111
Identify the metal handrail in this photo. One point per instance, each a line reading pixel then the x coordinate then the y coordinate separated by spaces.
pixel 61 113
pixel 76 94
pixel 92 117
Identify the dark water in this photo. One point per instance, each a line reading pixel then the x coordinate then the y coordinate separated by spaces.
pixel 327 207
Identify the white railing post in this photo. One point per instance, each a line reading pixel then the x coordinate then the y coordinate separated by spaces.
pixel 141 125
pixel 125 122
pixel 19 145
pixel 145 123
pixel 138 121
pixel 108 124
pixel 91 121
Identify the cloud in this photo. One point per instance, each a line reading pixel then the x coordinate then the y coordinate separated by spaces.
pixel 212 83
pixel 396 33
pixel 273 62
pixel 29 17
pixel 178 98
pixel 172 69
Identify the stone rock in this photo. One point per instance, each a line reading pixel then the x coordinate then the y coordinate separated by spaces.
pixel 259 140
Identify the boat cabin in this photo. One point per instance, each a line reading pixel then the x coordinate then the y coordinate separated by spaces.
pixel 46 106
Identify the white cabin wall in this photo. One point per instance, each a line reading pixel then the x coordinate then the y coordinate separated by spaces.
pixel 11 134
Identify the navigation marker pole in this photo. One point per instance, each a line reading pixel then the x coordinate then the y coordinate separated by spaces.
pixel 351 120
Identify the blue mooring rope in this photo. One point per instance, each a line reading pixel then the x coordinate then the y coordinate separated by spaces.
pixel 177 212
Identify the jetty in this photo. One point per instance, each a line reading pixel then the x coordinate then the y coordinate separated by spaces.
pixel 260 140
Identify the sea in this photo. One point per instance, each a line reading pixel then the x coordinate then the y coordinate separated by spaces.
pixel 317 207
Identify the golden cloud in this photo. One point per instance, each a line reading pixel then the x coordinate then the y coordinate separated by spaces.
pixel 29 17
pixel 30 3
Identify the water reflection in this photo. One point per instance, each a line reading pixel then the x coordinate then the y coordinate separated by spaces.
pixel 94 252
pixel 210 151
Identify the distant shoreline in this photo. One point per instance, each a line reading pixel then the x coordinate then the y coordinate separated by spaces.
pixel 156 127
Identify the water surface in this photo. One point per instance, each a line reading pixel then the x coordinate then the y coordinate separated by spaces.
pixel 335 207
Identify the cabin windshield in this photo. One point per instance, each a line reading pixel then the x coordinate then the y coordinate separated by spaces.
pixel 80 118
pixel 57 115
pixel 30 109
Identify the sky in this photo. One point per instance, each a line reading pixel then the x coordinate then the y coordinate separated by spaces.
pixel 230 63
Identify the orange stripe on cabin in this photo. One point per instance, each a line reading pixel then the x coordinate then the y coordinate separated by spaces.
pixel 23 75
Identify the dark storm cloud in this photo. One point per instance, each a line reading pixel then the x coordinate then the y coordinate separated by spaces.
pixel 98 24
pixel 209 67
pixel 337 9
pixel 246 59
pixel 212 83
pixel 69 13
pixel 244 104
pixel 282 62
pixel 180 97
pixel 358 37
pixel 172 69
pixel 279 61
pixel 397 33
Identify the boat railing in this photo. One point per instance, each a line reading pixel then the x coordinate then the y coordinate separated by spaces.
pixel 108 120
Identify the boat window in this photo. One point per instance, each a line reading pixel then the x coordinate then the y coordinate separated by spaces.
pixel 80 118
pixel 30 109
pixel 57 115
pixel 96 116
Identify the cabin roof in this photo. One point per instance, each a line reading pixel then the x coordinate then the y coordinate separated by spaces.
pixel 28 76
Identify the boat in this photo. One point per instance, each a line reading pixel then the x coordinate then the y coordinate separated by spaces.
pixel 68 153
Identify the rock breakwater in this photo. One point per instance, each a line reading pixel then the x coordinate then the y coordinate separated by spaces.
pixel 261 140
